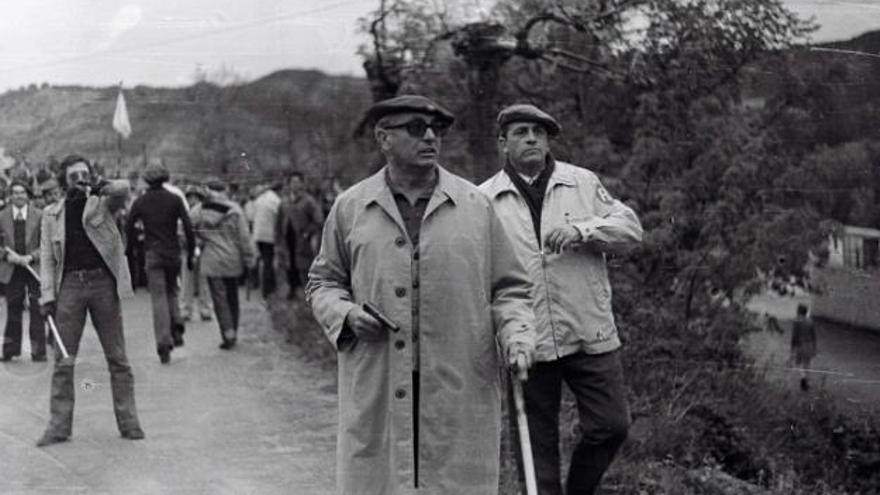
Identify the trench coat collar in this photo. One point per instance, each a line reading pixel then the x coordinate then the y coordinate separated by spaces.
pixel 376 190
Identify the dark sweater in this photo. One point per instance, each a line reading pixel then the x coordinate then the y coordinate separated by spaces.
pixel 159 210
pixel 533 193
pixel 79 252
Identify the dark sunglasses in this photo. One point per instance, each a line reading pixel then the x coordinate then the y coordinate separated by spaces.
pixel 417 127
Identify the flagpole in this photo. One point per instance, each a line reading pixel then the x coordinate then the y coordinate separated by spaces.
pixel 118 154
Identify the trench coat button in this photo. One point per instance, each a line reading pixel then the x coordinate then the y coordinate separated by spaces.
pixel 416 255
pixel 400 292
pixel 400 393
pixel 415 283
pixel 399 344
pixel 400 242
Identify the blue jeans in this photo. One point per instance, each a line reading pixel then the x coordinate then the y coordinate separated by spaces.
pixel 603 415
pixel 92 291
pixel 162 272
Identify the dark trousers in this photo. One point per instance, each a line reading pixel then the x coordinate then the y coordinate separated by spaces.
pixel 162 272
pixel 137 264
pixel 293 277
pixel 267 259
pixel 224 294
pixel 23 285
pixel 92 292
pixel 597 384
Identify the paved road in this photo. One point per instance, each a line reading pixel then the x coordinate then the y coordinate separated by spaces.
pixel 847 364
pixel 255 420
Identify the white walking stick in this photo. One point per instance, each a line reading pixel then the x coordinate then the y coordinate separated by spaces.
pixel 50 319
pixel 522 423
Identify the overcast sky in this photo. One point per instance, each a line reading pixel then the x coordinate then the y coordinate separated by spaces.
pixel 162 42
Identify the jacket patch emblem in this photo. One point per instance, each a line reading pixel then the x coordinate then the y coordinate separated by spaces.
pixel 603 195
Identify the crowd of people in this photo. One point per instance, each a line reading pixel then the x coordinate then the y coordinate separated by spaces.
pixel 425 284
pixel 72 245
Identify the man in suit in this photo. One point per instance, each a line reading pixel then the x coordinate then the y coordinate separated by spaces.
pixel 20 241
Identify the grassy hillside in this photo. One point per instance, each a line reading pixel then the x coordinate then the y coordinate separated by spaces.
pixel 288 120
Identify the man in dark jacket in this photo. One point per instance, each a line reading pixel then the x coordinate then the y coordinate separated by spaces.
pixel 299 223
pixel 160 210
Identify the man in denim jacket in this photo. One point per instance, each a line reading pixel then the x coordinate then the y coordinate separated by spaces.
pixel 83 270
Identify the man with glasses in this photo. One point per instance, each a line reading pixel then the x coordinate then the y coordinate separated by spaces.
pixel 562 223
pixel 83 270
pixel 419 399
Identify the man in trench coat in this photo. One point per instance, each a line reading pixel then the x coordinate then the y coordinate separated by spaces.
pixel 419 408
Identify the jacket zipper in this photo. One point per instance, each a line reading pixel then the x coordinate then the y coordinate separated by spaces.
pixel 546 279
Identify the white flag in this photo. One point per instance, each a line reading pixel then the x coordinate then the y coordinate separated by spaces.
pixel 120 117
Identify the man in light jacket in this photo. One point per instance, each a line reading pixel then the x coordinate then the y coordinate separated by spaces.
pixel 226 251
pixel 562 223
pixel 83 270
pixel 266 208
pixel 419 408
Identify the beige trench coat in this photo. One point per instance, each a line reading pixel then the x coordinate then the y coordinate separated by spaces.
pixel 473 289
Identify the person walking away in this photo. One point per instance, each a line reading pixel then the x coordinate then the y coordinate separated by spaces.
pixel 266 208
pixel 160 210
pixel 227 252
pixel 83 271
pixel 803 344
pixel 19 249
pixel 563 224
pixel 419 408
pixel 196 296
pixel 299 222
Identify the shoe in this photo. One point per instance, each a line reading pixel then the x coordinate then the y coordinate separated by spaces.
pixel 164 355
pixel 133 434
pixel 6 358
pixel 177 330
pixel 49 439
pixel 227 344
pixel 39 359
pixel 207 317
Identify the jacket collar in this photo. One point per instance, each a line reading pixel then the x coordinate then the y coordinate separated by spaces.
pixel 501 183
pixel 377 190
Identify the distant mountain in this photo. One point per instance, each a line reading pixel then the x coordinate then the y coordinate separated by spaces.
pixel 290 119
pixel 836 83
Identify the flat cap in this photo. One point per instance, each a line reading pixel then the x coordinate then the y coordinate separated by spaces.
pixel 407 103
pixel 523 112
pixel 215 184
pixel 194 190
pixel 155 173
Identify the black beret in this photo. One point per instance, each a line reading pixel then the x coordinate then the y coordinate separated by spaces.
pixel 407 103
pixel 523 112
